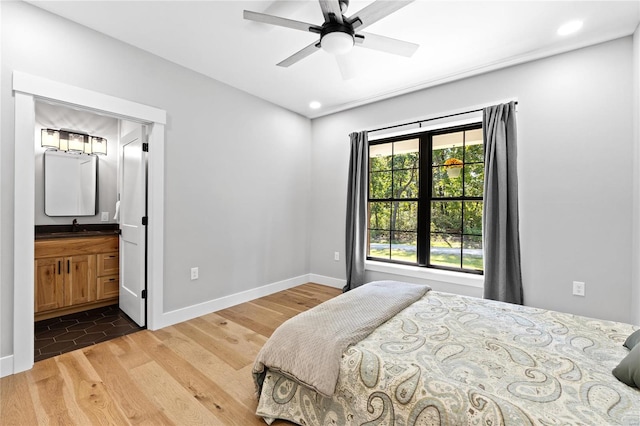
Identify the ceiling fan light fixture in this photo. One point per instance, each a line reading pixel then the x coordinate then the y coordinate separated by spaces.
pixel 337 42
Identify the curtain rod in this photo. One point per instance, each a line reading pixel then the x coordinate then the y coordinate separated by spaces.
pixel 428 119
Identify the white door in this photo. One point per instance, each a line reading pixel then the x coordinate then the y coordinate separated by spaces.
pixel 133 195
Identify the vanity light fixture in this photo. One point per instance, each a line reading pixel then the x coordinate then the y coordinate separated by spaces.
pixel 50 138
pixel 98 145
pixel 70 141
pixel 77 142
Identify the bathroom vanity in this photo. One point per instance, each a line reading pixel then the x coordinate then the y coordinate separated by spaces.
pixel 75 270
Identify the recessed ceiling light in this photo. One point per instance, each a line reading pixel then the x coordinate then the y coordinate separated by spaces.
pixel 569 28
pixel 315 105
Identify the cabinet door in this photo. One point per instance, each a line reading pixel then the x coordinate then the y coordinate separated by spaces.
pixel 49 284
pixel 80 282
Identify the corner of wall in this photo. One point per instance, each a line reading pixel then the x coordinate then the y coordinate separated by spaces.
pixel 635 225
pixel 1 369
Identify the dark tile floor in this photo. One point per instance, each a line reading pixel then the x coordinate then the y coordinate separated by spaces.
pixel 67 333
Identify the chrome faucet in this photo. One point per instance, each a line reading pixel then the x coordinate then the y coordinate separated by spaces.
pixel 75 225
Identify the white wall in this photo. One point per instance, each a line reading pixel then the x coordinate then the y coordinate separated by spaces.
pixel 575 125
pixel 243 230
pixel 635 251
pixel 57 117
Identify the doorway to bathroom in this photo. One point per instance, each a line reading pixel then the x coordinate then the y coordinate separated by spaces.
pixel 90 240
pixel 27 90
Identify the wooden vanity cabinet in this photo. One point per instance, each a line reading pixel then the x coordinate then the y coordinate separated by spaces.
pixel 75 274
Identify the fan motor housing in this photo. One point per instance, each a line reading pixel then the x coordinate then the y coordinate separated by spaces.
pixel 333 27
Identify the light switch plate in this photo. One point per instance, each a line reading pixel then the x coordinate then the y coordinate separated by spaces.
pixel 105 216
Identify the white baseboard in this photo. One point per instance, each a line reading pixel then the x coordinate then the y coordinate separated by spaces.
pixel 189 312
pixel 328 281
pixel 6 365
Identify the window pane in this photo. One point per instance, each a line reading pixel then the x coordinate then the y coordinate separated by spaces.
pixel 446 146
pixel 445 250
pixel 474 153
pixel 443 185
pixel 380 185
pixel 405 183
pixel 446 217
pixel 472 253
pixel 379 244
pixel 410 146
pixel 473 217
pixel 379 215
pixel 404 216
pixel 473 180
pixel 405 154
pixel 448 140
pixel 404 247
pixel 380 157
pixel 473 137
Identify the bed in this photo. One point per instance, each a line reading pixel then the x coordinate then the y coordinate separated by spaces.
pixel 443 359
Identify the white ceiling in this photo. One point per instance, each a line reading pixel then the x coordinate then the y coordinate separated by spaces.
pixel 456 38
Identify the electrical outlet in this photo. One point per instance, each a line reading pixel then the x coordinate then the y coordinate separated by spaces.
pixel 336 256
pixel 194 273
pixel 578 288
pixel 105 216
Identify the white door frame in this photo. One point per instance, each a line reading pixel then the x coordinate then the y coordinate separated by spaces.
pixel 27 89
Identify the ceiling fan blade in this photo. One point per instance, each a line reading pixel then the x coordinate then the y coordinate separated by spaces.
pixel 375 12
pixel 281 22
pixel 388 44
pixel 331 7
pixel 301 54
pixel 347 66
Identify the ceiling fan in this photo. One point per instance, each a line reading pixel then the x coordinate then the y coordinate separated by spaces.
pixel 338 33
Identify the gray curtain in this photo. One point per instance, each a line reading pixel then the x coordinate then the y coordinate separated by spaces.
pixel 502 273
pixel 356 210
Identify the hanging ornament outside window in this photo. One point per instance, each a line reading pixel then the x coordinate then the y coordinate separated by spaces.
pixel 453 166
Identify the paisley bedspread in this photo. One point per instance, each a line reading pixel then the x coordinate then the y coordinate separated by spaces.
pixel 455 360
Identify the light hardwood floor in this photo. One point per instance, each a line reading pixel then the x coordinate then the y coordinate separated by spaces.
pixel 194 373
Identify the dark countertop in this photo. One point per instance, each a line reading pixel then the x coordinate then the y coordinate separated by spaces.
pixel 77 231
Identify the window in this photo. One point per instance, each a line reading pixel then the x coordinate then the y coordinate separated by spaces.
pixel 425 199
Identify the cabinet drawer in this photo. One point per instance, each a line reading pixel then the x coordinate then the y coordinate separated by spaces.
pixel 108 287
pixel 108 264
